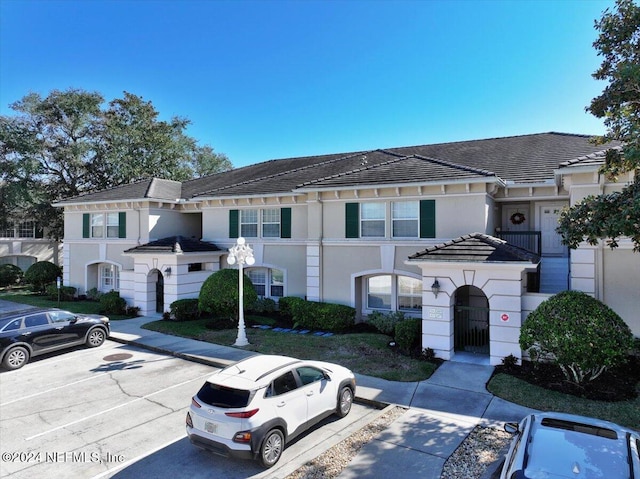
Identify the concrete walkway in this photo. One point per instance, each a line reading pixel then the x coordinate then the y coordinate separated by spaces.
pixel 442 410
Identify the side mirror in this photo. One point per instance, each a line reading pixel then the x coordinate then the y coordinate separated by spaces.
pixel 512 427
pixel 73 320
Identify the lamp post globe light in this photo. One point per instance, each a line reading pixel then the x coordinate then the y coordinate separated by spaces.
pixel 242 254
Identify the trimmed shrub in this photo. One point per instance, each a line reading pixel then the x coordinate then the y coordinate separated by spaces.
pixel 67 293
pixel 385 322
pixel 185 309
pixel 407 333
pixel 220 294
pixel 580 334
pixel 133 311
pixel 40 274
pixel 94 295
pixel 324 316
pixel 285 305
pixel 10 275
pixel 263 305
pixel 112 303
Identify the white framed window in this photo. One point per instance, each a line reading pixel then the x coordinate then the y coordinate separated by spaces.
pixel 97 225
pixel 268 282
pixel 113 225
pixel 271 223
pixel 405 219
pixel 23 229
pixel 109 278
pixel 249 223
pixel 394 293
pixel 372 220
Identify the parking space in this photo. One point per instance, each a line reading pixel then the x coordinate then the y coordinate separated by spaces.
pixel 119 411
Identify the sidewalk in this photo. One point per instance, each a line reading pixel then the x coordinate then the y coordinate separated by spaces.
pixel 443 409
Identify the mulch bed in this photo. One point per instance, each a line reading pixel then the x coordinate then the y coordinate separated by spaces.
pixel 618 384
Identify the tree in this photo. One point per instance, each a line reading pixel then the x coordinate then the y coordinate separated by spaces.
pixel 579 333
pixel 42 273
pixel 68 143
pixel 610 216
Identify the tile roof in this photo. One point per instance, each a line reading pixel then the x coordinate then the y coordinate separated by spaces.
pixel 526 158
pixel 151 188
pixel 174 244
pixel 476 247
pixel 598 158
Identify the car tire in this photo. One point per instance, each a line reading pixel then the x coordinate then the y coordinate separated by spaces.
pixel 345 400
pixel 16 358
pixel 96 337
pixel 272 447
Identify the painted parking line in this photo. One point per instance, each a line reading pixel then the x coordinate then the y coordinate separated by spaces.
pixel 199 378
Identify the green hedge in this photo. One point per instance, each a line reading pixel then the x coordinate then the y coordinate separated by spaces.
pixel 385 322
pixel 67 293
pixel 320 316
pixel 185 309
pixel 408 333
pixel 112 303
pixel 10 275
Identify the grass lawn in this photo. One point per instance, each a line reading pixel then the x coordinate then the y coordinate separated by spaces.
pixel 364 353
pixel 27 297
pixel 505 386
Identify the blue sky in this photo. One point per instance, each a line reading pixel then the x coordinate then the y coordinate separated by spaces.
pixel 274 79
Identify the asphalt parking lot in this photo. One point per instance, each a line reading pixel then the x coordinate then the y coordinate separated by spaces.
pixel 119 411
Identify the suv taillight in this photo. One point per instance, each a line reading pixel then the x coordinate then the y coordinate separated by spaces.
pixel 242 415
pixel 195 403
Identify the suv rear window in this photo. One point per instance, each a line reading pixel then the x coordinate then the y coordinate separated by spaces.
pixel 222 396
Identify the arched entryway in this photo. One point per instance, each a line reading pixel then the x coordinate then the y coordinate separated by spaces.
pixel 159 292
pixel 471 321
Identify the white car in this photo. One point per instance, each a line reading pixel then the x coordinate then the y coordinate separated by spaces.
pixel 253 408
pixel 557 445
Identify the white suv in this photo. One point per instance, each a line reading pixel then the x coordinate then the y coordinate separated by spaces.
pixel 254 407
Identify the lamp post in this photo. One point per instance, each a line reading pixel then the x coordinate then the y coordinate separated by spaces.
pixel 241 253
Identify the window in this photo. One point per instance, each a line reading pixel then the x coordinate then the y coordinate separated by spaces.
pixel 113 225
pixel 109 278
pixel 405 217
pixel 268 283
pixel 372 222
pixel 194 267
pixel 104 225
pixel 23 229
pixel 249 223
pixel 271 223
pixel 36 320
pixel 61 316
pixel 409 219
pixel 309 375
pixel 13 325
pixel 97 225
pixel 22 262
pixel 409 294
pixel 265 223
pixel 379 292
pixel 394 293
pixel 284 384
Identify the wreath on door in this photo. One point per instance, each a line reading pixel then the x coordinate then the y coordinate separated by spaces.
pixel 517 218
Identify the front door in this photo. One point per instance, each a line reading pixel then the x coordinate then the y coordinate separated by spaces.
pixel 160 293
pixel 551 240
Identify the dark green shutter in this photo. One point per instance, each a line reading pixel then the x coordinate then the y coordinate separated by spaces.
pixel 352 220
pixel 86 225
pixel 285 223
pixel 234 219
pixel 39 232
pixel 122 224
pixel 427 218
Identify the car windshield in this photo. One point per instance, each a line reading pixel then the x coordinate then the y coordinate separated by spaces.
pixel 222 396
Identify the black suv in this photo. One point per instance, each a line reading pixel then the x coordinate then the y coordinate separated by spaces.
pixel 34 332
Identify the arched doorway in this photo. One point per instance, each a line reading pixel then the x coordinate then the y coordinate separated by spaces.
pixel 159 292
pixel 471 321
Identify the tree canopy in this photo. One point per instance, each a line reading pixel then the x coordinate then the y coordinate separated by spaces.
pixel 70 142
pixel 610 216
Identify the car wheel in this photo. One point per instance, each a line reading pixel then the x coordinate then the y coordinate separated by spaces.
pixel 271 448
pixel 96 337
pixel 345 400
pixel 16 358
